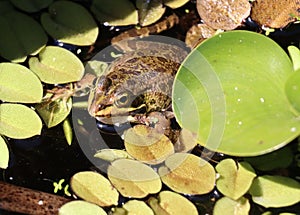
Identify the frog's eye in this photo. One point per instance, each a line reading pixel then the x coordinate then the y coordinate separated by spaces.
pixel 122 100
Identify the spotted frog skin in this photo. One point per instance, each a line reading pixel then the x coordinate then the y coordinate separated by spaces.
pixel 137 83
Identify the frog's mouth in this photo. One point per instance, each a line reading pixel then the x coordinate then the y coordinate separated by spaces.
pixel 112 114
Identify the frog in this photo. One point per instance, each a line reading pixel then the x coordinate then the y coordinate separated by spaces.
pixel 137 83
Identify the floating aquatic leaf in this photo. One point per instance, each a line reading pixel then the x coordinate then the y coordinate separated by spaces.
pixel 280 158
pixel 294 53
pixel 175 3
pixel 95 188
pixel 117 12
pixel 18 121
pixel 79 207
pixel 235 178
pixel 19 84
pixel 292 89
pixel 70 22
pixel 133 207
pixel 170 203
pixel 147 144
pixel 275 191
pixel 4 153
pixel 223 14
pixel 275 14
pixel 57 65
pixel 31 6
pixel 149 11
pixel 23 36
pixel 236 107
pixel 68 131
pixel 226 205
pixel 112 154
pixel 55 112
pixel 187 173
pixel 133 178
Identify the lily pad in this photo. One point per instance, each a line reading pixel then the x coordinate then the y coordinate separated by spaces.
pixel 19 84
pixel 170 203
pixel 133 207
pixel 57 65
pixel 149 11
pixel 79 207
pixel 31 6
pixel 275 191
pixel 54 112
pixel 133 178
pixel 280 158
pixel 147 144
pixel 226 205
pixel 23 36
pixel 235 179
pixel 70 22
pixel 175 3
pixel 112 154
pixel 4 154
pixel 18 121
pixel 294 53
pixel 187 173
pixel 236 107
pixel 115 13
pixel 95 188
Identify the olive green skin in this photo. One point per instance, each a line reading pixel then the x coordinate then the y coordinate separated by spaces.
pixel 137 83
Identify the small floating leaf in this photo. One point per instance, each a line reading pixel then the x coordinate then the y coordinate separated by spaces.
pixel 175 3
pixel 226 205
pixel 57 65
pixel 71 23
pixel 133 207
pixel 79 207
pixel 117 12
pixel 31 6
pixel 18 121
pixel 147 144
pixel 275 191
pixel 223 14
pixel 292 90
pixel 133 178
pixel 55 112
pixel 68 131
pixel 4 153
pixel 111 154
pixel 294 53
pixel 187 173
pixel 235 179
pixel 23 36
pixel 170 203
pixel 280 158
pixel 19 84
pixel 149 11
pixel 95 188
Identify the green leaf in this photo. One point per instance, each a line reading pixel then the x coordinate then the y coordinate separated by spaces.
pixel 292 90
pixel 149 11
pixel 236 106
pixel 133 207
pixel 18 121
pixel 23 36
pixel 117 12
pixel 31 6
pixel 188 174
pixel 112 154
pixel 68 131
pixel 275 191
pixel 70 22
pixel 133 178
pixel 226 205
pixel 295 56
pixel 19 84
pixel 4 154
pixel 79 207
pixel 281 158
pixel 171 203
pixel 175 3
pixel 54 112
pixel 235 179
pixel 95 188
pixel 57 65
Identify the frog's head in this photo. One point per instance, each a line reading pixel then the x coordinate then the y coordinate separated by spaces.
pixel 112 103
